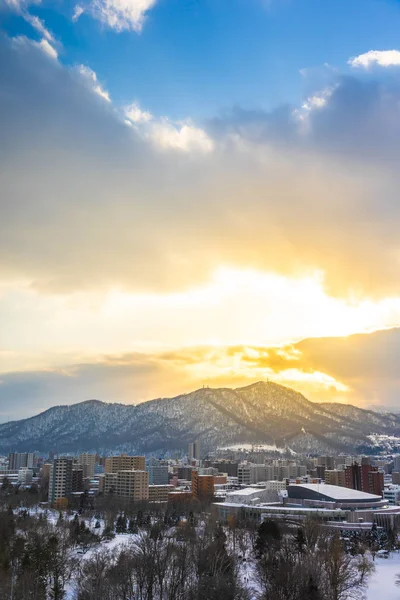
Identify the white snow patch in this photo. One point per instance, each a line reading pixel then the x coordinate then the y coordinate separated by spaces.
pixel 382 583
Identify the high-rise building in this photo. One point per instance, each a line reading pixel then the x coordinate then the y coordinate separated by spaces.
pixel 158 472
pixel 133 485
pixel 376 482
pixel 185 472
pixel 194 451
pixel 110 483
pixel 77 478
pixel 88 461
pixel 226 466
pixel 326 461
pixel 364 478
pixel 20 460
pixel 124 463
pixel 202 486
pixel 335 477
pixel 60 483
pixel 129 484
pixel 46 469
pixel 396 464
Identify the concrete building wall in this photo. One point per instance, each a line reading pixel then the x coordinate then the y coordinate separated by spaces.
pixel 60 483
pixel 123 462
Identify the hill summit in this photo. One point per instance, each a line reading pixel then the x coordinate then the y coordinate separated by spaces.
pixel 261 413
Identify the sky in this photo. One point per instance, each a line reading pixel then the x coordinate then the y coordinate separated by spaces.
pixel 198 192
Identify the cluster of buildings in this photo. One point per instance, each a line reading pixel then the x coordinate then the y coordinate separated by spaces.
pixel 132 478
pixel 339 489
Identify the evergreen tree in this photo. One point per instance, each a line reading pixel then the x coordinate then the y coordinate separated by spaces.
pixel 120 526
pixel 268 535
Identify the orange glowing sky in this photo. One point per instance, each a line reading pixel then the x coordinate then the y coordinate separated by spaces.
pixel 144 254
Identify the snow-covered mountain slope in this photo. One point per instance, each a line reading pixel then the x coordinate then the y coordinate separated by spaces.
pixel 263 412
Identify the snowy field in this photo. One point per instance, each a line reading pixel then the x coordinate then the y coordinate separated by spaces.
pixel 382 583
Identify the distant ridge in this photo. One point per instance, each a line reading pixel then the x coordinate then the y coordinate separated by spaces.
pixel 260 413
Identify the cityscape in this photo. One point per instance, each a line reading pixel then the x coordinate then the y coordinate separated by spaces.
pixel 244 491
pixel 199 300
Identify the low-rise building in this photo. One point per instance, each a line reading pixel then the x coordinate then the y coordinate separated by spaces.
pixel 248 495
pixel 159 493
pixel 25 476
pixel 391 494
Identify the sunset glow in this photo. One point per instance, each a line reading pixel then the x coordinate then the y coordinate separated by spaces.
pixel 175 214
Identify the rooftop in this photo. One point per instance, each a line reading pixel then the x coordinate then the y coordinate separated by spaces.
pixel 335 492
pixel 245 492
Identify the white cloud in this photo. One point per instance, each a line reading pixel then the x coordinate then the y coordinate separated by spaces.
pixel 47 48
pixel 18 5
pixel 121 14
pixel 39 25
pixel 78 11
pixel 91 78
pixel 183 137
pixel 383 58
pixel 135 114
pixel 279 205
pixel 318 100
pixel 43 45
pixel 166 133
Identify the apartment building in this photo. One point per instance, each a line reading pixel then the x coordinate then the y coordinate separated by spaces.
pixel 391 493
pixel 158 472
pixel 365 478
pixel 185 472
pixel 108 483
pixel 20 460
pixel 275 486
pixel 25 476
pixel 396 477
pixel 133 485
pixel 123 462
pixel 87 462
pixel 335 477
pixel 77 478
pixel 249 474
pixel 194 451
pixel 159 493
pixel 60 483
pixel 202 486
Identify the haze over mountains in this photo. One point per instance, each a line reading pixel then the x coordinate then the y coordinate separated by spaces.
pixel 261 413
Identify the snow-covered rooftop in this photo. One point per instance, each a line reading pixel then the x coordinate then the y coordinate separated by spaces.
pixel 336 492
pixel 245 492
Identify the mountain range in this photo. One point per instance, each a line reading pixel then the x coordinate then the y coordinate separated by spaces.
pixel 263 413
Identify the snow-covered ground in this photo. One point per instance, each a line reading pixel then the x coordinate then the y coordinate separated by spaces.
pixel 382 584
